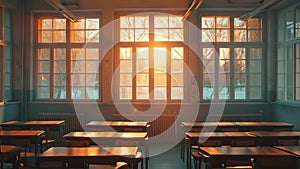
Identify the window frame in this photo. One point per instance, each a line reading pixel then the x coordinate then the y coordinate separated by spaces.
pixel 232 44
pixel 150 44
pixel 68 45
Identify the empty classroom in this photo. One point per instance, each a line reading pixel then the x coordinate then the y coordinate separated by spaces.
pixel 149 84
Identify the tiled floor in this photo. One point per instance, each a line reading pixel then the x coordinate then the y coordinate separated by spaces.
pixel 168 160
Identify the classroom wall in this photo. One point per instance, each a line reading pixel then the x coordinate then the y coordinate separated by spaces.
pixel 24 56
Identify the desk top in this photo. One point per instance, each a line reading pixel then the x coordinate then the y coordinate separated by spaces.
pixel 70 152
pixel 275 133
pixel 21 133
pixel 7 148
pixel 219 134
pixel 208 124
pixel 292 149
pixel 243 151
pixel 108 135
pixel 116 124
pixel 34 123
pixel 264 124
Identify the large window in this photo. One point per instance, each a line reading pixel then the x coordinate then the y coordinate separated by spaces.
pixel 232 69
pixel 288 54
pixel 8 57
pixel 149 68
pixel 67 58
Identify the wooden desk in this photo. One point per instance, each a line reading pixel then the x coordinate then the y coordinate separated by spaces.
pixel 291 149
pixel 224 137
pixel 9 152
pixel 264 126
pixel 91 154
pixel 117 125
pixel 219 155
pixel 52 125
pixel 107 137
pixel 270 138
pixel 35 136
pixel 219 126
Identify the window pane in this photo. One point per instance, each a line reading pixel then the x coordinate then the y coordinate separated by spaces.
pixel 175 22
pixel 92 54
pixel 160 79
pixel 43 54
pixel 92 66
pixel 77 80
pixel 92 93
pixel 239 53
pixel 60 93
pixel 78 66
pixel 77 36
pixel 160 60
pixel 92 36
pixel 176 35
pixel 176 92
pixel 223 35
pixel 126 22
pixel 142 79
pixel 45 23
pixel 127 35
pixel 224 92
pixel 240 79
pixel 208 22
pixel 125 80
pixel 142 93
pixel 141 22
pixel 176 66
pixel 92 23
pixel 255 79
pixel 125 53
pixel 60 80
pixel 161 21
pixel 92 80
pixel 161 35
pixel 126 66
pixel 223 22
pixel 142 66
pixel 141 35
pixel 43 92
pixel 142 53
pixel 239 23
pixel 255 93
pixel 125 92
pixel 59 24
pixel 255 66
pixel 78 92
pixel 208 92
pixel 240 66
pixel 208 35
pixel 177 52
pixel 240 35
pixel 160 93
pixel 77 25
pixel 177 80
pixel 240 93
pixel 59 36
pixel 208 79
pixel 43 79
pixel 45 36
pixel 254 36
pixel 44 67
pixel 254 23
pixel 255 53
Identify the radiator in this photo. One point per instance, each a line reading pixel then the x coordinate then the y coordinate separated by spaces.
pixel 157 126
pixel 71 123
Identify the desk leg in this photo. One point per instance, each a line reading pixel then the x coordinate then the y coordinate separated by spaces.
pixel 188 154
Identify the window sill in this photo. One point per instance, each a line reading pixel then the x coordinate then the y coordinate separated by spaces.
pixel 287 103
